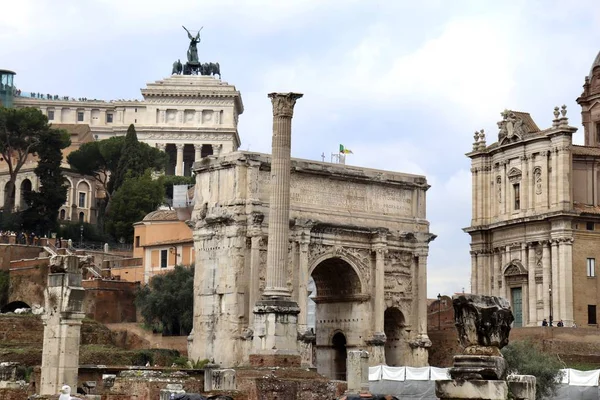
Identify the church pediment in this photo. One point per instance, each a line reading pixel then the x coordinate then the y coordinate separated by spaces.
pixel 514 175
pixel 515 268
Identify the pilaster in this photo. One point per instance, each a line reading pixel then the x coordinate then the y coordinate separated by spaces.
pixel 532 285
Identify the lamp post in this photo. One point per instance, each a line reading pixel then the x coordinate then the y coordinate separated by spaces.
pixel 550 293
pixel 439 311
pixel 81 235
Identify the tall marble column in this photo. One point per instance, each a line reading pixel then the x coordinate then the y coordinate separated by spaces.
pixel 179 162
pixel 555 282
pixel 276 314
pixel 546 277
pixel 532 285
pixel 422 342
pixel 198 152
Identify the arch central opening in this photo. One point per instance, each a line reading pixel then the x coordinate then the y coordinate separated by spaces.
pixel 395 345
pixel 339 314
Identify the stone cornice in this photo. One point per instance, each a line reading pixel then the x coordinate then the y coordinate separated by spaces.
pixel 516 221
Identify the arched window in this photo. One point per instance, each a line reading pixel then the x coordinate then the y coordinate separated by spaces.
pixel 62 214
pixel 81 217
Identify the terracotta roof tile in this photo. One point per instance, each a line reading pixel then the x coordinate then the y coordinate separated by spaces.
pixel 586 208
pixel 585 150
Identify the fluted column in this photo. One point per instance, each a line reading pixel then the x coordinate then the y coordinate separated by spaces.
pixel 254 281
pixel 422 295
pixel 198 152
pixel 279 209
pixel 473 272
pixel 179 162
pixel 546 277
pixel 532 285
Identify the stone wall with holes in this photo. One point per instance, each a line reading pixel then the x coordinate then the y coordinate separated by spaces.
pixel 347 225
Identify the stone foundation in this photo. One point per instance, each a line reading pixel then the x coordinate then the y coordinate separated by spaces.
pixel 475 389
pixel 275 360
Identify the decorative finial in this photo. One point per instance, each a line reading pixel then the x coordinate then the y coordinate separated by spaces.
pixel 476 136
pixel 482 144
pixel 482 135
pixel 563 110
pixel 556 112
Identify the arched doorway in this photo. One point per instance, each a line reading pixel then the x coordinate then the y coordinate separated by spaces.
pixel 25 190
pixel 338 342
pixel 10 193
pixel 12 306
pixel 516 278
pixel 63 213
pixel 394 324
pixel 340 314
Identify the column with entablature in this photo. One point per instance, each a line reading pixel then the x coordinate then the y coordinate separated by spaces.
pixel 197 152
pixel 532 285
pixel 546 277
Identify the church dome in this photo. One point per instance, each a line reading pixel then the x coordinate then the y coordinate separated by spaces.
pixel 161 215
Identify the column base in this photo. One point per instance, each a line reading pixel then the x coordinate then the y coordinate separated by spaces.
pixel 275 339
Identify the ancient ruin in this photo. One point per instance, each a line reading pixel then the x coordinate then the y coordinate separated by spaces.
pixel 360 234
pixel 62 323
pixel 483 324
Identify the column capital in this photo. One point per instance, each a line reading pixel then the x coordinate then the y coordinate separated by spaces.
pixel 283 103
pixel 179 146
pixel 198 146
pixel 161 146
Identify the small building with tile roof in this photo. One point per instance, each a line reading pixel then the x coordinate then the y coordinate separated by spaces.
pixel 535 224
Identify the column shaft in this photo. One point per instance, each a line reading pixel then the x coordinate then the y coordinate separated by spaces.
pixel 422 294
pixel 303 286
pixel 198 152
pixel 254 283
pixel 179 162
pixel 555 293
pixel 474 272
pixel 379 288
pixel 546 278
pixel 532 285
pixel 279 209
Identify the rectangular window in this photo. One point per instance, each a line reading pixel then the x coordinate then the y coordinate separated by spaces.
pixel 109 118
pixel 137 241
pixel 80 116
pixel 591 314
pixel 517 190
pixel 163 258
pixel 591 267
pixel 81 200
pixel 50 115
pixel 589 226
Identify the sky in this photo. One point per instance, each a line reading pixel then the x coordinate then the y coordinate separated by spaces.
pixel 403 84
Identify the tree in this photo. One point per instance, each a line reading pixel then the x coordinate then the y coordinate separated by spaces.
pixel 527 358
pixel 42 214
pixel 135 159
pixel 107 161
pixel 136 197
pixel 167 302
pixel 170 180
pixel 20 130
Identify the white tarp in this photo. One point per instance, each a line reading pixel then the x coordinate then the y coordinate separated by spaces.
pixel 375 373
pixel 439 374
pixel 583 378
pixel 393 373
pixel 564 376
pixel 417 373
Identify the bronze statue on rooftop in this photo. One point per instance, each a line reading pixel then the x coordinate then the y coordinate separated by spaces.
pixel 192 53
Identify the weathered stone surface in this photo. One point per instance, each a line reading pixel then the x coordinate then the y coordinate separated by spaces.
pixel 482 320
pixel 469 367
pixel 522 387
pixel 475 389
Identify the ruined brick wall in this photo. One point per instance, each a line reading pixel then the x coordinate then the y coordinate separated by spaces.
pixel 28 280
pixel 573 345
pixel 110 301
pixel 10 253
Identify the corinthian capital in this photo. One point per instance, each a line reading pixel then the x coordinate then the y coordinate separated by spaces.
pixel 283 103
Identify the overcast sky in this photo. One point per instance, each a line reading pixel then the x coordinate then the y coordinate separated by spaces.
pixel 403 84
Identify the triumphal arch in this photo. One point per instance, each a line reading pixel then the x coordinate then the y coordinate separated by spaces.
pixel 360 235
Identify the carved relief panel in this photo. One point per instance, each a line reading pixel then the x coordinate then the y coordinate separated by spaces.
pixel 398 278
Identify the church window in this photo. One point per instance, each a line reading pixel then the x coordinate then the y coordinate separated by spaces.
pixel 591 314
pixel 591 267
pixel 80 116
pixel 163 258
pixel 50 115
pixel 589 226
pixel 137 241
pixel 517 190
pixel 598 132
pixel 109 118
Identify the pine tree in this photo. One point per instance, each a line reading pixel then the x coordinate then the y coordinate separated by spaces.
pixel 42 215
pixel 132 161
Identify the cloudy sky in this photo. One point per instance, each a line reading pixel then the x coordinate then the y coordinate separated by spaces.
pixel 402 83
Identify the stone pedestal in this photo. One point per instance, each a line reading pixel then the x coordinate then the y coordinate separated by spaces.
pixel 475 389
pixel 275 334
pixel 357 367
pixel 62 325
pixel 522 387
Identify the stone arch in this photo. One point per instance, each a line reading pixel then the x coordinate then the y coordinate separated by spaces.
pixel 341 309
pixel 81 217
pixel 69 190
pixel 394 328
pixel 354 264
pixel 12 193
pixel 13 305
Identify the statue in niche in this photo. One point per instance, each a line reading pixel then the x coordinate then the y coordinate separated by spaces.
pixel 499 185
pixel 192 53
pixel 537 179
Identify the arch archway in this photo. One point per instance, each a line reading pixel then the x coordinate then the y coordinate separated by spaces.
pixel 63 213
pixel 394 328
pixel 13 305
pixel 340 355
pixel 25 189
pixel 10 193
pixel 341 313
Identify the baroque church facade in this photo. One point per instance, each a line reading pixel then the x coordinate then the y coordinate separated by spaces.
pixel 535 224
